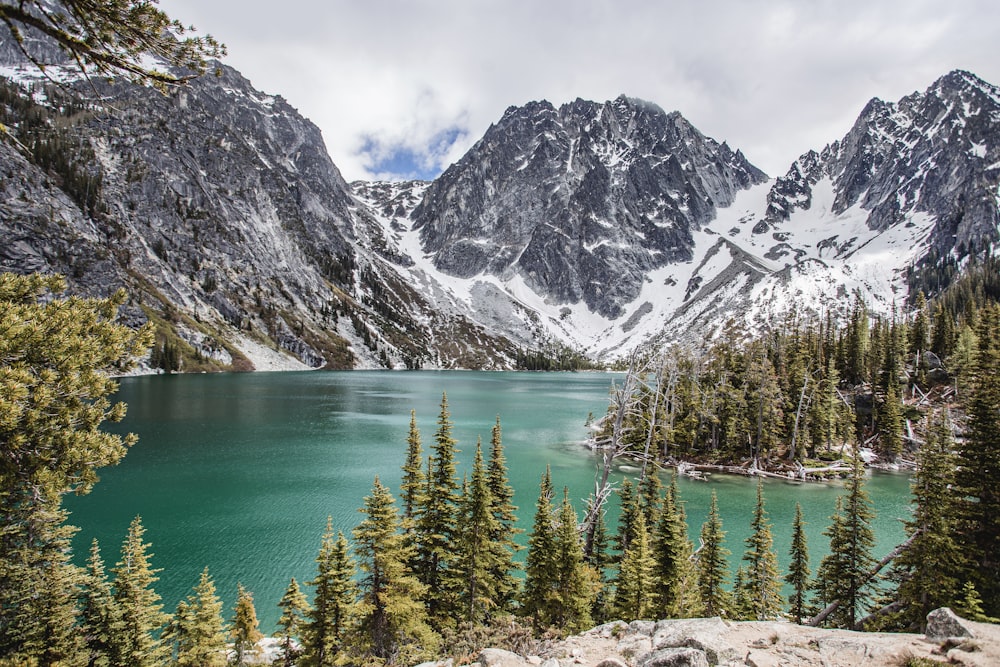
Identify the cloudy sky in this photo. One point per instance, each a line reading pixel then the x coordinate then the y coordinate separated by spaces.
pixel 402 88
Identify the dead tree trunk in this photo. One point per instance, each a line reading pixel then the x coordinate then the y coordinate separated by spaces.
pixel 833 606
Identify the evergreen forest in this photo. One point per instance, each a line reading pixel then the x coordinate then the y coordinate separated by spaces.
pixel 437 568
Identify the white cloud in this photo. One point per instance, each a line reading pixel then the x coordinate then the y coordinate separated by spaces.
pixel 774 79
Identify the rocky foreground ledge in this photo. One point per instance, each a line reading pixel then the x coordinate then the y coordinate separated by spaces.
pixel 703 642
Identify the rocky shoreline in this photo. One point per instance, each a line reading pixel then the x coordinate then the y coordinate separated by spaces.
pixel 703 642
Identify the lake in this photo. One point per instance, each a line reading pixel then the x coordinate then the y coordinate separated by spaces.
pixel 238 472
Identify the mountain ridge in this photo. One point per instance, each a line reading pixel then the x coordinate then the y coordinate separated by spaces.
pixel 597 227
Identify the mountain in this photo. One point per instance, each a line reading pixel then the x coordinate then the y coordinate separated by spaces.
pixel 593 227
pixel 912 182
pixel 610 226
pixel 566 224
pixel 219 209
pixel 580 202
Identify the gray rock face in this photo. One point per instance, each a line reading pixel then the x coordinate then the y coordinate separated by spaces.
pixel 580 201
pixel 704 634
pixel 217 203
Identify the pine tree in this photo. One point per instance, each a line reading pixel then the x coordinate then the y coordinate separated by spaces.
pixel 798 568
pixel 930 569
pixel 742 605
pixel 712 566
pixel 599 559
pixel 246 627
pixel 630 510
pixel 650 490
pixel 142 613
pixel 197 630
pixel 828 414
pixel 436 525
pixel 57 358
pixel 676 589
pixel 538 598
pixel 890 423
pixel 971 605
pixel 574 580
pixel 979 466
pixel 392 625
pixel 100 618
pixel 762 581
pixel 635 595
pixel 293 623
pixel 857 343
pixel 412 484
pixel 843 575
pixel 920 331
pixel 478 553
pixel 943 340
pixel 58 640
pixel 332 603
pixel 764 401
pixel 505 513
pixel 890 412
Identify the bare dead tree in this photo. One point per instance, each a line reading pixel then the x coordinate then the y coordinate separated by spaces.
pixel 611 440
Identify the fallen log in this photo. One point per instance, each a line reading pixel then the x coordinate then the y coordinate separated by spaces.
pixel 833 606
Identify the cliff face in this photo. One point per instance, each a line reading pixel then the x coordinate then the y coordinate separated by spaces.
pixel 934 152
pixel 219 209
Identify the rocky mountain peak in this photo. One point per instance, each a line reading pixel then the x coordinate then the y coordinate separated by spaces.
pixel 933 152
pixel 579 202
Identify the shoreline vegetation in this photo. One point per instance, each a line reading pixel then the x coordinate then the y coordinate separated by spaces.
pixel 839 469
pixel 436 572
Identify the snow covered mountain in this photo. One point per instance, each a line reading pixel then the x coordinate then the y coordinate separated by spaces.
pixel 911 182
pixel 555 223
pixel 607 226
pixel 596 226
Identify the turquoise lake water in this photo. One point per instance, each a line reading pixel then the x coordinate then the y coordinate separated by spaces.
pixel 239 472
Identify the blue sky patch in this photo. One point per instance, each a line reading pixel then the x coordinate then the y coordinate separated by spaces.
pixel 400 161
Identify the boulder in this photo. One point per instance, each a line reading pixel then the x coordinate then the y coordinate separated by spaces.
pixel 608 630
pixel 673 632
pixel 759 658
pixel 931 360
pixel 703 634
pixel 674 657
pixel 633 645
pixel 495 657
pixel 943 623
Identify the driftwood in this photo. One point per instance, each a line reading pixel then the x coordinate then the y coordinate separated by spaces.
pixel 692 470
pixel 833 606
pixel 924 398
